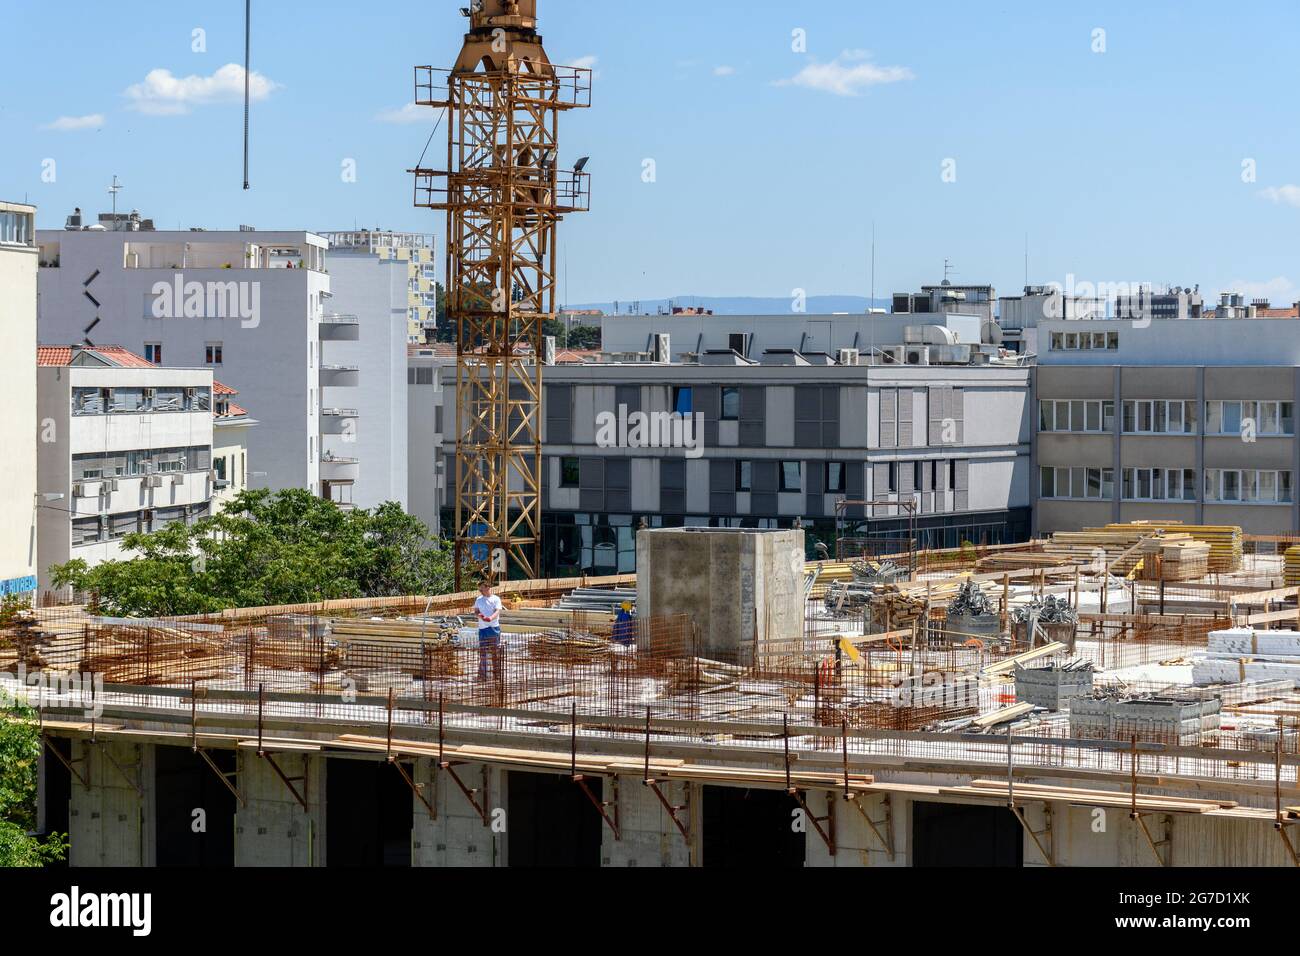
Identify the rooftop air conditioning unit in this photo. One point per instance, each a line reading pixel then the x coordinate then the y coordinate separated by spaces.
pixel 660 350
pixel 917 355
pixel 848 356
pixel 890 355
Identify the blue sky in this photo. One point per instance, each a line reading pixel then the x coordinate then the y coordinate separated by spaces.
pixel 771 164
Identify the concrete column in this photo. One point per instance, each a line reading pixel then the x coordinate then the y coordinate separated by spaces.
pixel 855 844
pixel 271 828
pixel 648 836
pixel 110 824
pixel 458 837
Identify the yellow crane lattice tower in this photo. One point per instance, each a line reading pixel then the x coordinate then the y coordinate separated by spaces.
pixel 504 196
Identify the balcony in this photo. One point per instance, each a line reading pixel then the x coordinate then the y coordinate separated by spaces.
pixel 338 421
pixel 339 375
pixel 340 326
pixel 336 468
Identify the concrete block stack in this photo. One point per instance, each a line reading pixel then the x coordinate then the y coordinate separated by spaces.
pixel 1243 653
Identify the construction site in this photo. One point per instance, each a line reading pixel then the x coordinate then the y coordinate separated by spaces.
pixel 1118 696
pixel 1084 700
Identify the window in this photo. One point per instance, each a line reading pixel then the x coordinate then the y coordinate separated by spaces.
pixel 834 477
pixel 1076 416
pixel 730 404
pixel 1159 484
pixel 682 400
pixel 893 476
pixel 792 476
pixel 744 476
pixel 1248 486
pixel 212 353
pixel 1083 483
pixel 918 475
pixel 1159 417
pixel 1074 341
pixel 16 228
pixel 570 472
pixel 219 468
pixel 1264 419
pixel 153 352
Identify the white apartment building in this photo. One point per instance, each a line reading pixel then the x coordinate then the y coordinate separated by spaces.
pixel 18 261
pixel 127 446
pixel 384 279
pixel 254 308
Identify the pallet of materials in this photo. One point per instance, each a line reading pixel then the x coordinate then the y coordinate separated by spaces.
pixel 1243 653
pixel 1291 566
pixel 1225 541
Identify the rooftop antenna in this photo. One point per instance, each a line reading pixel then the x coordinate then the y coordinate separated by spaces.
pixel 248 40
pixel 1026 260
pixel 113 190
pixel 948 270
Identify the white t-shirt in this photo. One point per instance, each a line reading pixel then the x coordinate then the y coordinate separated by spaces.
pixel 488 607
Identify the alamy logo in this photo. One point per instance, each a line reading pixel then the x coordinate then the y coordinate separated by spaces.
pixel 651 430
pixel 57 689
pixel 179 299
pixel 931 691
pixel 102 910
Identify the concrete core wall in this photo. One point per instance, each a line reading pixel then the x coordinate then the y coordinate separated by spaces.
pixel 741 587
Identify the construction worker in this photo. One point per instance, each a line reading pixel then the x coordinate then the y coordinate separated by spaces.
pixel 488 608
pixel 624 625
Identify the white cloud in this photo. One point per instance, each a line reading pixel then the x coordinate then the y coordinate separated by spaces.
pixel 163 94
pixel 724 70
pixel 1280 291
pixel 410 113
pixel 66 124
pixel 584 62
pixel 849 74
pixel 1288 194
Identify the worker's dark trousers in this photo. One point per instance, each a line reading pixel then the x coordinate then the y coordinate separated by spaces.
pixel 489 648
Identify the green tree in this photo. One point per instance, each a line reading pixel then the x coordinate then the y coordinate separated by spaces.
pixel 266 548
pixel 20 746
pixel 584 337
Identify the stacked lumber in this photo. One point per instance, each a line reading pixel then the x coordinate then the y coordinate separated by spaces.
pixel 156 655
pixel 1176 560
pixel 1116 799
pixel 424 648
pixel 376 631
pixel 569 647
pixel 1120 548
pixel 1225 541
pixel 892 609
pixel 1019 560
pixel 1291 566
pixel 524 620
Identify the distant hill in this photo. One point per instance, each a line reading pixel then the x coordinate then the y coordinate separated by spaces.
pixel 741 305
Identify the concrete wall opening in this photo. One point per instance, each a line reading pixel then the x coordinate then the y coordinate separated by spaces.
pixel 750 827
pixel 551 822
pixel 954 834
pixel 369 814
pixel 56 789
pixel 183 785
